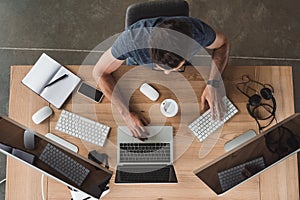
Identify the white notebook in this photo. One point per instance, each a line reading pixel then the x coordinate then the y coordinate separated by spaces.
pixel 43 72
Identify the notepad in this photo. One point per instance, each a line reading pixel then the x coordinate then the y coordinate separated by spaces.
pixel 45 71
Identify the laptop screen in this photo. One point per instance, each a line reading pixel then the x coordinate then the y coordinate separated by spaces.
pixel 92 180
pixel 250 159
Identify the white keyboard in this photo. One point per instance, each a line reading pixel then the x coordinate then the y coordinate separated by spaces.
pixel 203 126
pixel 82 128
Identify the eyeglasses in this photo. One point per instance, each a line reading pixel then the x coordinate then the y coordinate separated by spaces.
pixel 181 69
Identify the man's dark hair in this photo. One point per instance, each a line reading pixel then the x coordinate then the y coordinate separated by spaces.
pixel 165 56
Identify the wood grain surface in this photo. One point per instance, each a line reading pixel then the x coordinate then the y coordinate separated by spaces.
pixel 279 182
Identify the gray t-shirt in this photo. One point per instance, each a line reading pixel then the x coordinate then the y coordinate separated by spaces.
pixel 133 42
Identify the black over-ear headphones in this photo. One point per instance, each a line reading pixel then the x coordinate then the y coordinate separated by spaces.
pixel 255 101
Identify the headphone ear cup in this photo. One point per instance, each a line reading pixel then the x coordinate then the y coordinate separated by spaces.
pixel 266 93
pixel 255 100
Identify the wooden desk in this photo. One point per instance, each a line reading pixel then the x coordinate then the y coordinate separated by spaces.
pixel 279 182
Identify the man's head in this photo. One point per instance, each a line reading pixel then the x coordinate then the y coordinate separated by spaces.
pixel 165 41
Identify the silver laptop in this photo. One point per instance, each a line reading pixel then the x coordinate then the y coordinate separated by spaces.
pixel 148 161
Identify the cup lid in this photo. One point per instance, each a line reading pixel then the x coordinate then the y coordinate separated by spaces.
pixel 169 108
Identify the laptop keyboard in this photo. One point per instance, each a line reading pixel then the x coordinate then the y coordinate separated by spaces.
pixel 64 164
pixel 147 175
pixel 145 152
pixel 233 176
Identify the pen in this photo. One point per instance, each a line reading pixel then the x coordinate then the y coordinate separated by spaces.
pixel 56 80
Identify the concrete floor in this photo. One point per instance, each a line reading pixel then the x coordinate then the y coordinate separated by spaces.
pixel 261 33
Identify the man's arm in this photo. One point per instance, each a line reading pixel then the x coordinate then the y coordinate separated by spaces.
pixel 106 65
pixel 221 47
pixel 211 94
pixel 102 75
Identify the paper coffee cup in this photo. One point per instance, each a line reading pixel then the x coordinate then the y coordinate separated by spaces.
pixel 169 108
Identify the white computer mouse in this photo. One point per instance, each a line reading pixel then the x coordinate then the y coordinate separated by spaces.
pixel 42 114
pixel 149 91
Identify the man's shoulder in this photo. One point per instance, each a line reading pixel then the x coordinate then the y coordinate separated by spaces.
pixel 155 21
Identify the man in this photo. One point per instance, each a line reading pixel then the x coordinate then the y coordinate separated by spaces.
pixel 165 43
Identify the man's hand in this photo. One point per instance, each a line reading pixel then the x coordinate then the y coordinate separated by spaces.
pixel 213 96
pixel 136 125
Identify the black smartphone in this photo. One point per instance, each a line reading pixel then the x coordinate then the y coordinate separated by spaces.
pixel 90 92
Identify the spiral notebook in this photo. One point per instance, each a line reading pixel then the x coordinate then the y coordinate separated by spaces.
pixel 45 71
